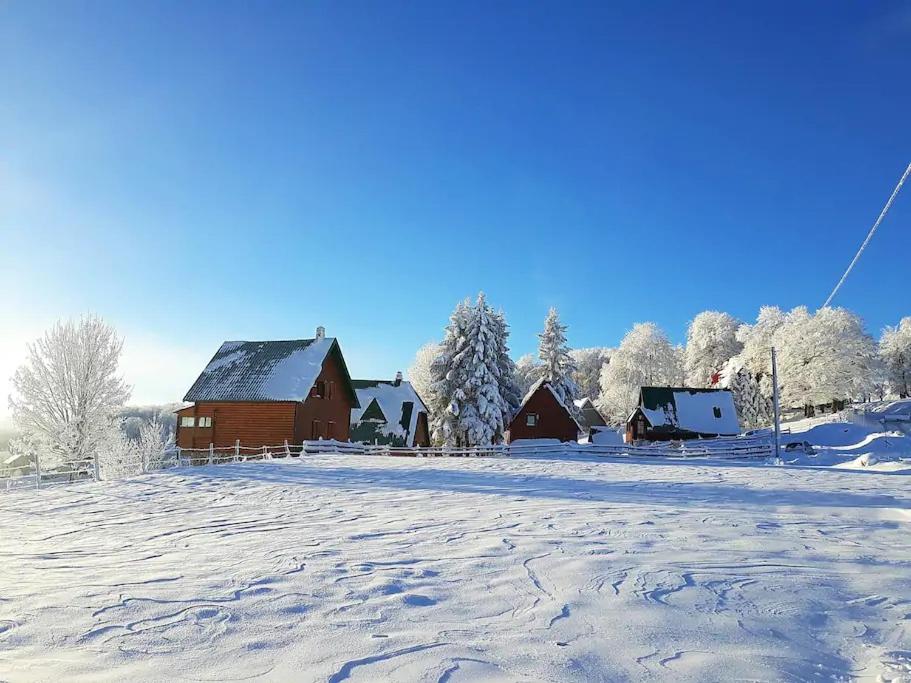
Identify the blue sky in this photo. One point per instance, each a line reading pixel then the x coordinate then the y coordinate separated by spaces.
pixel 204 171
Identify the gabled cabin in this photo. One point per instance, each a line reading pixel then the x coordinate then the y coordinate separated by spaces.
pixel 266 392
pixel 676 413
pixel 391 413
pixel 543 415
pixel 588 415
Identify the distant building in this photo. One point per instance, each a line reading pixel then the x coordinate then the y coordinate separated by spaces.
pixel 588 415
pixel 672 413
pixel 266 392
pixel 543 415
pixel 391 413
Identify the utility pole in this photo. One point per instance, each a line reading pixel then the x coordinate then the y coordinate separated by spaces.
pixel 776 407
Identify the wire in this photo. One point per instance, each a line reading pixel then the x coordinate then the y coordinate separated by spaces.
pixel 869 235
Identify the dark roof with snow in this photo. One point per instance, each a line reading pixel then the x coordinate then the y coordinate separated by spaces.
pixel 689 409
pixel 265 370
pixel 589 415
pixel 389 411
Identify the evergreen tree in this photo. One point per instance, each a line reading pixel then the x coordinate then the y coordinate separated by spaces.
pixel 509 384
pixel 754 410
pixel 447 376
pixel 557 365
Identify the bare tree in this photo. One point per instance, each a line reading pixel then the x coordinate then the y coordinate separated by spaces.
pixel 67 393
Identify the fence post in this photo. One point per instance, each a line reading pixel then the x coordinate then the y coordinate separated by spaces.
pixel 266 454
pixel 37 472
pixel 287 449
pixel 236 450
pixel 96 467
pixel 211 453
pixel 143 461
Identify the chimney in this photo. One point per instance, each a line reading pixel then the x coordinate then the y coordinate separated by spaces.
pixel 320 332
pixel 398 378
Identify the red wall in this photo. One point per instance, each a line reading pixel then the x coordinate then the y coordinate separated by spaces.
pixel 553 420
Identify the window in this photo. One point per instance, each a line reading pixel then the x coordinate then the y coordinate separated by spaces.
pixel 187 422
pixel 319 389
pixel 315 430
pixel 204 422
pixel 531 420
pixel 331 390
pixel 330 430
pixel 717 411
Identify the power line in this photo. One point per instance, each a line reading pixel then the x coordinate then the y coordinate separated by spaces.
pixel 869 235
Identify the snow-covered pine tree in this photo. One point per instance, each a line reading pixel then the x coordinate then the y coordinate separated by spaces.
pixel 448 376
pixel 481 419
pixel 753 409
pixel 711 340
pixel 557 365
pixel 509 385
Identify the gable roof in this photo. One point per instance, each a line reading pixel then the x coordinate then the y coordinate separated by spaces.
pixel 545 384
pixel 689 409
pixel 266 370
pixel 394 406
pixel 589 415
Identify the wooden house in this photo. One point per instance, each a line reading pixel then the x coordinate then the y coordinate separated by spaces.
pixel 588 415
pixel 675 413
pixel 263 393
pixel 391 413
pixel 543 415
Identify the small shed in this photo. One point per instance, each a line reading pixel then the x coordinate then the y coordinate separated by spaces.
pixel 675 413
pixel 391 413
pixel 543 415
pixel 588 415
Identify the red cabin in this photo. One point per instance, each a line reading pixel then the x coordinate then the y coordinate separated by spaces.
pixel 543 415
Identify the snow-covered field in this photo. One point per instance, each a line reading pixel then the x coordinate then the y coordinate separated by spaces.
pixel 340 568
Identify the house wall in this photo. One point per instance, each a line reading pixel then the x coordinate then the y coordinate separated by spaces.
pixel 255 423
pixel 553 420
pixel 422 431
pixel 335 409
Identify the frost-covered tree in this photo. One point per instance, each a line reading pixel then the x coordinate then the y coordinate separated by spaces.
pixel 469 404
pixel 711 341
pixel 153 443
pixel 67 394
pixel 757 341
pixel 509 385
pixel 419 373
pixel 589 364
pixel 895 351
pixel 557 365
pixel 754 410
pixel 449 374
pixel 528 370
pixel 645 357
pixel 824 356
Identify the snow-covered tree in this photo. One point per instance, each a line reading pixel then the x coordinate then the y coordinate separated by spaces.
pixel 528 370
pixel 895 351
pixel 509 384
pixel 645 357
pixel 67 393
pixel 757 341
pixel 557 365
pixel 589 363
pixel 824 357
pixel 469 404
pixel 419 373
pixel 754 410
pixel 711 341
pixel 154 441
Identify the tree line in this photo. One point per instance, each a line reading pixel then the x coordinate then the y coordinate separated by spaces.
pixel 472 387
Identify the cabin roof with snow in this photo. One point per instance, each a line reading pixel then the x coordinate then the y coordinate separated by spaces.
pixel 590 415
pixel 266 370
pixel 389 410
pixel 706 412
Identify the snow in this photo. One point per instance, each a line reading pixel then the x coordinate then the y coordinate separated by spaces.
pixel 848 445
pixel 390 399
pixel 361 568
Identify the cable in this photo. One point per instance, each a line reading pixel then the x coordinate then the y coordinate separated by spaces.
pixel 869 235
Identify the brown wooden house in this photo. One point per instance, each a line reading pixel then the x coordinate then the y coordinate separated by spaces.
pixel 543 415
pixel 263 393
pixel 678 413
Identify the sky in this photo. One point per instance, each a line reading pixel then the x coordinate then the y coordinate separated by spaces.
pixel 202 171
